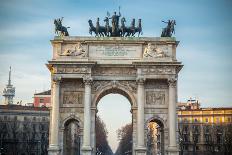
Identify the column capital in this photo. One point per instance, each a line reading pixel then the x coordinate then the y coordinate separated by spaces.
pixel 87 80
pixel 172 82
pixel 140 80
pixel 56 80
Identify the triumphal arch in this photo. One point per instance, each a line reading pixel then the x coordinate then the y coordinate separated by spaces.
pixel 85 69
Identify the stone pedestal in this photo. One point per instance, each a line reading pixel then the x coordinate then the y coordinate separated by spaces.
pixel 53 150
pixel 140 151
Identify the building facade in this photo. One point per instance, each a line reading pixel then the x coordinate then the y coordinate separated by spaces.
pixel 23 130
pixel 42 99
pixel 204 130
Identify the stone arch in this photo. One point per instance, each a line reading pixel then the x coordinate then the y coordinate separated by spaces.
pixel 157 119
pixel 110 88
pixel 69 118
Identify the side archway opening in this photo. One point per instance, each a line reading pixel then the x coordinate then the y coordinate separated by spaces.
pixel 72 137
pixel 155 137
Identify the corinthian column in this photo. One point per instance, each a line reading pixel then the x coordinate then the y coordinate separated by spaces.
pixel 172 148
pixel 140 150
pixel 54 123
pixel 86 148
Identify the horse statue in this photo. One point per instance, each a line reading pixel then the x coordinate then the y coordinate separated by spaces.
pixel 170 29
pixel 100 30
pixel 123 28
pixel 59 28
pixel 108 29
pixel 131 29
pixel 139 28
pixel 92 28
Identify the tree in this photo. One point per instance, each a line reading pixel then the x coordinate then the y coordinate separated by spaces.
pixel 101 138
pixel 125 140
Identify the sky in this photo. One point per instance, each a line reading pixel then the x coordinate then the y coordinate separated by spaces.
pixel 203 29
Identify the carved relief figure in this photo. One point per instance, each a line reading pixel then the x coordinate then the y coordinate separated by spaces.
pixel 73 98
pixel 155 97
pixel 78 51
pixel 152 51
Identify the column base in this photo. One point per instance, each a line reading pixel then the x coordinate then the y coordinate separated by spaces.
pixel 53 150
pixel 140 151
pixel 86 150
pixel 173 150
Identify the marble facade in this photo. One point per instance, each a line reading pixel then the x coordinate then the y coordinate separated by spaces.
pixel 85 69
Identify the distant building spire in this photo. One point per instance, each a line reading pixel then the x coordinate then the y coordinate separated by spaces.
pixel 9 81
pixel 9 91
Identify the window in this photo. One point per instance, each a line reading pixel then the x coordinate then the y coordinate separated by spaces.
pixel 229 119
pixel 41 100
pixel 25 118
pixel 186 147
pixel 5 118
pixel 34 118
pixel 15 118
pixel 43 119
pixel 217 120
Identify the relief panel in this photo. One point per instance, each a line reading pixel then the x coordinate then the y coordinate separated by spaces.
pixel 155 97
pixel 72 97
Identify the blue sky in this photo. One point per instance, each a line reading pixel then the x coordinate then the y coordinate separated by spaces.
pixel 203 29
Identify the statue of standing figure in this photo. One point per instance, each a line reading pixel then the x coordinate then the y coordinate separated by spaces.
pixel 115 23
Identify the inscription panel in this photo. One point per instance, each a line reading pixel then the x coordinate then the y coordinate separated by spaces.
pixel 111 51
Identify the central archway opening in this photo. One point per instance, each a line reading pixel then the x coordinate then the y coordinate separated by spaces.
pixel 114 109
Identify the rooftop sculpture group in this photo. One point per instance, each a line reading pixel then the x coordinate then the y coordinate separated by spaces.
pixel 115 30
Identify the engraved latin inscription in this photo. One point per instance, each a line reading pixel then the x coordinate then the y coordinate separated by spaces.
pixel 112 51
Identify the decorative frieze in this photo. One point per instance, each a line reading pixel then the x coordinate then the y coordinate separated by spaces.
pixel 155 97
pixel 71 110
pixel 158 70
pixel 73 97
pixel 156 85
pixel 128 85
pixel 114 71
pixel 72 85
pixel 73 69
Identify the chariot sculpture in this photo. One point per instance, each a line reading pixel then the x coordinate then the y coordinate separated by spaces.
pixel 115 29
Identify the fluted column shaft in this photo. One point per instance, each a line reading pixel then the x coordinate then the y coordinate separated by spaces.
pixel 140 113
pixel 172 116
pixel 87 118
pixel 54 141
